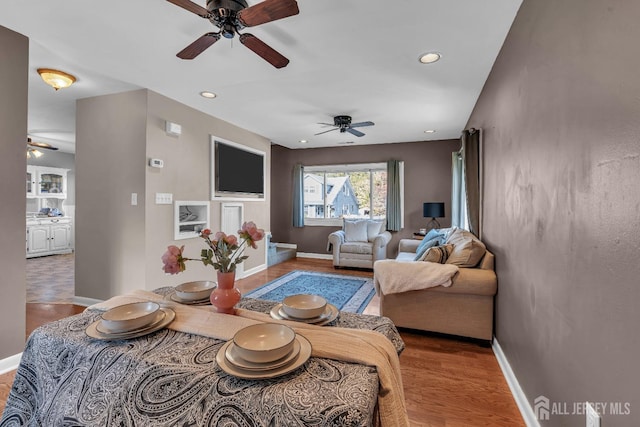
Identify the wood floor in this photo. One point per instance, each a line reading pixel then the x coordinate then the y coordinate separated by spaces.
pixel 448 382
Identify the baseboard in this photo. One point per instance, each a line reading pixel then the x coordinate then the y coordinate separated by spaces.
pixel 287 245
pixel 312 255
pixel 254 270
pixel 10 363
pixel 521 399
pixel 85 302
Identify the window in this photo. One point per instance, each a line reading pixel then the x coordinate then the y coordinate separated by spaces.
pixel 352 191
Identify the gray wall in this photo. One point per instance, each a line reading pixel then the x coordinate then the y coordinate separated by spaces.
pixel 560 113
pixel 110 165
pixel 119 246
pixel 14 69
pixel 427 178
pixel 186 175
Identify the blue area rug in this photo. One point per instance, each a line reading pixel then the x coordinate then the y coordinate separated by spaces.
pixel 348 293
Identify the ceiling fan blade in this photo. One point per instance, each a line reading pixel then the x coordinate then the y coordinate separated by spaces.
pixel 361 124
pixel 198 46
pixel 267 11
pixel 330 130
pixel 354 132
pixel 40 145
pixel 265 51
pixel 191 7
pixel 326 124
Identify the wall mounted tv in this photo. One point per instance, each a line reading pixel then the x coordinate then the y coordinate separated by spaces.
pixel 237 171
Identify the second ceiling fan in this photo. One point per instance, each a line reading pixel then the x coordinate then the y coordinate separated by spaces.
pixel 343 123
pixel 231 16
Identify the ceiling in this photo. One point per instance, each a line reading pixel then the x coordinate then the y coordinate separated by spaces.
pixel 352 57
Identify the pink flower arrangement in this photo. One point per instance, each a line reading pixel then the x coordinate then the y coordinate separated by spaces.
pixel 225 252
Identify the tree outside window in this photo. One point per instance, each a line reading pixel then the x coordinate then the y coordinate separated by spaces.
pixel 351 192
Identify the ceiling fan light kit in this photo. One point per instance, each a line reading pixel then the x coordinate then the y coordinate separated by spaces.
pixel 55 78
pixel 33 152
pixel 231 16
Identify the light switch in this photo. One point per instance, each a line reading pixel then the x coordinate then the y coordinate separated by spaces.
pixel 164 198
pixel 134 199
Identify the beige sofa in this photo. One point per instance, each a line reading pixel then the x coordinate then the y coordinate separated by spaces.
pixel 465 308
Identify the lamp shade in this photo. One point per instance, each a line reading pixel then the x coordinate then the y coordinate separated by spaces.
pixel 433 210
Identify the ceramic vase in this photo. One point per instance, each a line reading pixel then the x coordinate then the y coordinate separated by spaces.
pixel 225 296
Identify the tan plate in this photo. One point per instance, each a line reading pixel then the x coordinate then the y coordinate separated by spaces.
pixel 93 332
pixel 330 314
pixel 175 298
pixel 235 359
pixel 229 368
pixel 159 317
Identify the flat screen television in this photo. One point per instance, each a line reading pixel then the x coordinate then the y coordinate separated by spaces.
pixel 237 171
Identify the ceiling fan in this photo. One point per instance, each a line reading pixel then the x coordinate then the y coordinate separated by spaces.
pixel 32 148
pixel 343 123
pixel 231 16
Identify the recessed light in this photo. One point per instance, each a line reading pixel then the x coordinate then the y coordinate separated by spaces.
pixel 429 57
pixel 206 94
pixel 429 131
pixel 303 141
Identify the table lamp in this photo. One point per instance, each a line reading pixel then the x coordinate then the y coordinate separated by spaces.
pixel 433 210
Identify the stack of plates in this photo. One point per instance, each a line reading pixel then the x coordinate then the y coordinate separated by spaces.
pixel 265 350
pixel 329 315
pixel 193 293
pixel 130 321
pixel 175 298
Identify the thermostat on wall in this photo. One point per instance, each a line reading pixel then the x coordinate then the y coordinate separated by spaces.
pixel 156 163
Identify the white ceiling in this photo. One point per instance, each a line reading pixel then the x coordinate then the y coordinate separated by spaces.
pixel 354 57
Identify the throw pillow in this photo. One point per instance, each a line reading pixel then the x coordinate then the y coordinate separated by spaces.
pixel 355 231
pixel 374 228
pixel 438 254
pixel 424 245
pixel 467 249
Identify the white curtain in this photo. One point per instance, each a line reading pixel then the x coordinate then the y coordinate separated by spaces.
pixel 458 193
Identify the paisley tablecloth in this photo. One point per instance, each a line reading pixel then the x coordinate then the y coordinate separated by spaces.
pixel 170 378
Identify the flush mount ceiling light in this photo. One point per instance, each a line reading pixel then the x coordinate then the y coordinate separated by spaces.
pixel 303 141
pixel 207 94
pixel 56 79
pixel 429 57
pixel 429 131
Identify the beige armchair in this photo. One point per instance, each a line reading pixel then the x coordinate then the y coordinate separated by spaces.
pixel 359 244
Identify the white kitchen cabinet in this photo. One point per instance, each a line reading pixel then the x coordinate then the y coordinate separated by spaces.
pixel 60 239
pixel 31 181
pixel 44 181
pixel 48 236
